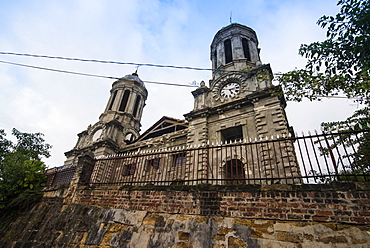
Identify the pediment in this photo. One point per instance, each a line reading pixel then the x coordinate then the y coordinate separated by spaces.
pixel 163 126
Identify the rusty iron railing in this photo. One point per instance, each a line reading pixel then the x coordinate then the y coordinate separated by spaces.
pixel 60 175
pixel 312 158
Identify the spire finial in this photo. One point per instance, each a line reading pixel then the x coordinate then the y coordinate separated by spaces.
pixel 135 73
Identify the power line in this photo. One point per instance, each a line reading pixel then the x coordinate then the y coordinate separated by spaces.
pixel 119 62
pixel 87 74
pixel 117 78
pixel 56 70
pixel 106 61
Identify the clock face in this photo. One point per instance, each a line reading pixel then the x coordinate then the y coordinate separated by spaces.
pixel 97 134
pixel 230 89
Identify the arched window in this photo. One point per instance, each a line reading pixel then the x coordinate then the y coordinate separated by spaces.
pixel 136 107
pixel 122 107
pixel 113 99
pixel 228 51
pixel 247 53
pixel 234 172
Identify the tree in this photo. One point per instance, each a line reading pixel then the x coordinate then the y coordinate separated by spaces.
pixel 21 168
pixel 339 65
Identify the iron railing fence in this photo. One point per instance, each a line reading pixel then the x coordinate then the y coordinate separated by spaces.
pixel 312 158
pixel 60 175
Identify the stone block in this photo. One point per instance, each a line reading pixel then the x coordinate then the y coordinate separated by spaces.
pixel 236 243
pixel 289 237
pixel 183 236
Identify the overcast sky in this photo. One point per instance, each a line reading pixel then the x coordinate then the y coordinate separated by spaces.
pixel 148 31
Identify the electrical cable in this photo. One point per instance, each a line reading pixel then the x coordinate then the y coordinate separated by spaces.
pixel 117 78
pixel 106 61
pixel 56 70
pixel 87 74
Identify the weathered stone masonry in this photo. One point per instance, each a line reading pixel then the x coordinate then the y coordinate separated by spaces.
pixel 339 202
pixel 335 215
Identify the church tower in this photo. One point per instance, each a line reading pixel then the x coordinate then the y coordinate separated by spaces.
pixel 118 125
pixel 234 48
pixel 241 104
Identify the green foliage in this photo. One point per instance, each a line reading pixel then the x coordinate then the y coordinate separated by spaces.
pixel 340 64
pixel 21 168
pixel 359 169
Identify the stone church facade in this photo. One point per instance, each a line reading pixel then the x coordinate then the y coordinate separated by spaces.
pixel 239 105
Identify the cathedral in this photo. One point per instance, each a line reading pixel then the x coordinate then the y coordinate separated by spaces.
pixel 238 106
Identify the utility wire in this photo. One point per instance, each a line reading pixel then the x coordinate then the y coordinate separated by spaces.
pixel 106 61
pixel 113 62
pixel 87 74
pixel 56 70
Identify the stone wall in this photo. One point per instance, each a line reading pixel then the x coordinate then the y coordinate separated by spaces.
pixel 339 202
pixel 335 215
pixel 76 225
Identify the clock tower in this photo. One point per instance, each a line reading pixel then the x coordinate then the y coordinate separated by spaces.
pixel 240 104
pixel 118 125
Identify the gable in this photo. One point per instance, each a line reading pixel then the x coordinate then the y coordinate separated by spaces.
pixel 163 126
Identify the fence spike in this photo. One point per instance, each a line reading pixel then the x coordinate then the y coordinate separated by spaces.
pixel 266 137
pixel 309 132
pixel 315 131
pixel 296 134
pixel 302 133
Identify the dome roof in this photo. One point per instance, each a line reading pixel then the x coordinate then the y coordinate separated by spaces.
pixel 135 77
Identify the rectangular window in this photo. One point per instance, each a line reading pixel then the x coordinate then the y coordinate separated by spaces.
pixel 152 164
pixel 179 159
pixel 128 169
pixel 247 53
pixel 136 107
pixel 228 51
pixel 113 99
pixel 232 134
pixel 122 107
pixel 215 59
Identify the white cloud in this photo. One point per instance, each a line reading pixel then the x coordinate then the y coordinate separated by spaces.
pixel 146 31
